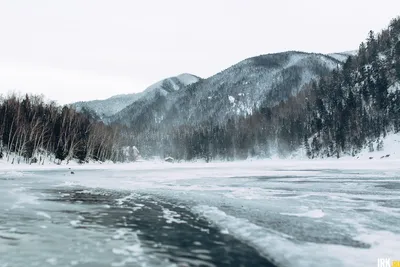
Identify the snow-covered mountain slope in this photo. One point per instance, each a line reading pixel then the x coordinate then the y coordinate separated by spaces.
pixel 159 89
pixel 108 107
pixel 343 56
pixel 172 84
pixel 262 80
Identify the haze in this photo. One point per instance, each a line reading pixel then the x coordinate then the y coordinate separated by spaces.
pixel 93 49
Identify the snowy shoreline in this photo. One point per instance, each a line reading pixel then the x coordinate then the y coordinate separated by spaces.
pixel 388 156
pixel 345 163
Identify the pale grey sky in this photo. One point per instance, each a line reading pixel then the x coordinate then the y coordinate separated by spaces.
pixel 73 50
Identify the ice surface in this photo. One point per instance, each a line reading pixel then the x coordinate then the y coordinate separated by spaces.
pixel 345 209
pixel 286 251
pixel 294 212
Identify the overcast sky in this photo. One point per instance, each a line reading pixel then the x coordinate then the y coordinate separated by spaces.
pixel 73 50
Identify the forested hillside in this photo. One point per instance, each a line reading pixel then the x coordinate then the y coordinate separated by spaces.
pixel 236 91
pixel 359 103
pixel 31 130
pixel 338 114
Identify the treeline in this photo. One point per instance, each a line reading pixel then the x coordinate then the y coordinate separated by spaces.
pixel 350 108
pixel 33 130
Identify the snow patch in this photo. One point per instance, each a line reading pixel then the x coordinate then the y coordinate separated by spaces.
pixel 43 214
pixel 171 216
pixel 133 252
pixel 187 78
pixel 394 88
pixel 389 148
pixel 75 223
pixel 121 200
pixel 311 214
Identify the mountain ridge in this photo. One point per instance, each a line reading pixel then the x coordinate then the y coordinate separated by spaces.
pixel 241 86
pixel 114 104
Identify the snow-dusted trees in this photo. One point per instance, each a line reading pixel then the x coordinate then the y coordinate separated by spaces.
pixel 32 129
pixel 345 110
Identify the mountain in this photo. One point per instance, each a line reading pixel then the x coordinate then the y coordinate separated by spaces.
pixel 111 106
pixel 348 110
pixel 172 84
pixel 236 91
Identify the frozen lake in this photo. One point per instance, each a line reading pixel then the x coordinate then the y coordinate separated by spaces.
pixel 260 213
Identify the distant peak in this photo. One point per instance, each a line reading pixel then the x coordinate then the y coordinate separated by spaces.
pixel 183 75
